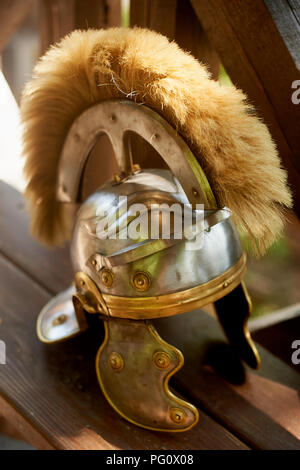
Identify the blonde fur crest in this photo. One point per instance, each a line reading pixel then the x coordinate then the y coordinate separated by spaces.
pixel 233 146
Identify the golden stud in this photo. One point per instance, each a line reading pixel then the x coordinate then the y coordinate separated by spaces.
pixel 59 320
pixel 107 277
pixel 141 281
pixel 117 178
pixel 177 415
pixel 161 360
pixel 116 361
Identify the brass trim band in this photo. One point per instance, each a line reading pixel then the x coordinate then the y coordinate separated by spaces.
pixel 143 308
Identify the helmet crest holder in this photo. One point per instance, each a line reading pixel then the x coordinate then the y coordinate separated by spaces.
pixel 134 364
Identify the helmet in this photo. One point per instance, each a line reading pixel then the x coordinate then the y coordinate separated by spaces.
pixel 130 281
pixel 219 155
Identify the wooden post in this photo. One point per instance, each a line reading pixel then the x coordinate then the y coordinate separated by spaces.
pixel 263 64
pixel 59 17
pixel 12 14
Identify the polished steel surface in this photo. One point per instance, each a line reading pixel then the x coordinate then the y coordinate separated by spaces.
pixel 171 269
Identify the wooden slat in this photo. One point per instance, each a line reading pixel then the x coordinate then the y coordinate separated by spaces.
pixel 190 35
pixel 154 14
pixel 286 15
pixel 258 61
pixel 51 392
pixel 275 318
pixel 17 244
pixel 263 411
pixel 262 408
pixel 59 17
pixel 12 14
pixel 8 430
pixel 279 337
pixel 178 21
pixel 97 14
pixel 56 19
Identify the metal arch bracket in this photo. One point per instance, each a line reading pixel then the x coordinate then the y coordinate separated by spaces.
pixel 134 365
pixel 116 118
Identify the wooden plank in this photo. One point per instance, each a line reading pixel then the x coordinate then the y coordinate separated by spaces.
pixel 286 15
pixel 24 430
pixel 190 35
pixel 262 408
pixel 263 411
pixel 274 318
pixel 114 12
pixel 91 14
pixel 279 337
pixel 51 391
pixel 258 61
pixel 178 21
pixel 12 14
pixel 56 18
pixel 51 268
pixel 154 14
pixel 8 430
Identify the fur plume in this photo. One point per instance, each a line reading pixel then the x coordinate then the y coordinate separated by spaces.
pixel 233 146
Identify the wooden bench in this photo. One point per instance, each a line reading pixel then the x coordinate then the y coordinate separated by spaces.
pixel 50 395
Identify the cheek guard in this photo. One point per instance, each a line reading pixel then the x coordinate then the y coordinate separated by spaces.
pixel 128 283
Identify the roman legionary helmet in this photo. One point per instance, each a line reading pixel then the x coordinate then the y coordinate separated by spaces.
pixel 222 166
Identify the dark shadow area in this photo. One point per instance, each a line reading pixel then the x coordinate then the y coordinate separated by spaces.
pixel 226 363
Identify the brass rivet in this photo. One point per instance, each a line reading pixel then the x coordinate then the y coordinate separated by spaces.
pixel 82 282
pixel 177 415
pixel 161 360
pixel 116 361
pixel 94 262
pixel 195 192
pixel 141 281
pixel 117 178
pixel 136 168
pixel 59 320
pixel 225 284
pixel 107 277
